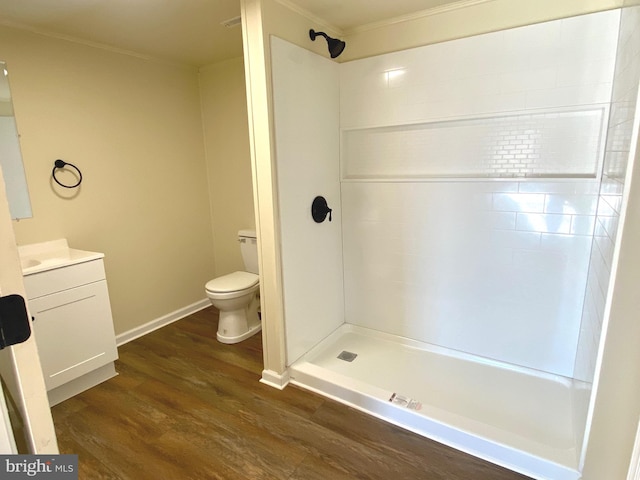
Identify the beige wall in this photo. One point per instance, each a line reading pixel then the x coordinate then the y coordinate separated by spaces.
pixel 224 113
pixel 134 127
pixel 449 23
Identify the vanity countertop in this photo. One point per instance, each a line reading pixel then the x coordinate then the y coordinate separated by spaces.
pixel 40 257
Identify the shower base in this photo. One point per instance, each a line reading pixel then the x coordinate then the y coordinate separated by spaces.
pixel 525 420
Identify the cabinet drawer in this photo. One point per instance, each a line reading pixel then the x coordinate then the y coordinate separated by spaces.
pixel 56 280
pixel 74 332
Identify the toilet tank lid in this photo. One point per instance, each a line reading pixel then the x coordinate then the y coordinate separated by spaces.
pixel 232 282
pixel 248 233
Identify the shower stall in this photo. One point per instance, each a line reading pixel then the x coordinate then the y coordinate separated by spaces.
pixel 476 187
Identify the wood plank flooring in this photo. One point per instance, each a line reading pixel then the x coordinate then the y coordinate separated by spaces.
pixel 188 407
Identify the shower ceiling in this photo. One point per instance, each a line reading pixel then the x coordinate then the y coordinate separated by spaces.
pixel 185 31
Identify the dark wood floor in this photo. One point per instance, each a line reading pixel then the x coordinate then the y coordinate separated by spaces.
pixel 187 407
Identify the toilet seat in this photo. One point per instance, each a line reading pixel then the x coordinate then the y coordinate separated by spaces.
pixel 233 282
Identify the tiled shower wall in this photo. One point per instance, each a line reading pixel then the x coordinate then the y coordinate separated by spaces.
pixel 553 143
pixel 623 107
pixel 448 239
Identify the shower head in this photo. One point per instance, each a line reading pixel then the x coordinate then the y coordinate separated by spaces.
pixel 335 46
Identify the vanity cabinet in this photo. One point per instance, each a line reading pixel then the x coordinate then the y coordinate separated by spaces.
pixel 73 327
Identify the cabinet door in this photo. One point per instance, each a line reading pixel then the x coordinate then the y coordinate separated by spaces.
pixel 74 332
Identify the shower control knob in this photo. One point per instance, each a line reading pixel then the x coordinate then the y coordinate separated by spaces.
pixel 320 209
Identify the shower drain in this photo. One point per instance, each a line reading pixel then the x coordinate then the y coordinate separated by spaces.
pixel 347 356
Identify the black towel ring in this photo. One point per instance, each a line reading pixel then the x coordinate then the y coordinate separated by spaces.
pixel 61 164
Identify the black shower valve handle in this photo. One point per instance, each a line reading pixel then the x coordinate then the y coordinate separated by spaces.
pixel 328 210
pixel 320 209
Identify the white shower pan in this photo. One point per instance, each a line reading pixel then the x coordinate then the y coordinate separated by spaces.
pixel 526 420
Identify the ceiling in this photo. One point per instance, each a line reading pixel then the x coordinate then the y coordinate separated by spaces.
pixel 182 31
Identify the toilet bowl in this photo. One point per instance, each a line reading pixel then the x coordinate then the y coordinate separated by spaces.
pixel 236 295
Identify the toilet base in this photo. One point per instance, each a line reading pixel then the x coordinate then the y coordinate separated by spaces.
pixel 238 338
pixel 237 325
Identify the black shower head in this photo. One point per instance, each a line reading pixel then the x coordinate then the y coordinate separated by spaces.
pixel 335 46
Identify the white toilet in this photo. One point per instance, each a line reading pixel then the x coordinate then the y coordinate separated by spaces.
pixel 236 295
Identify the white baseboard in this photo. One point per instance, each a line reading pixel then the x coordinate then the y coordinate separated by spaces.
pixel 274 379
pixel 149 327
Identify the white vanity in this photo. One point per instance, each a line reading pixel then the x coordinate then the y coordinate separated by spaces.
pixel 68 299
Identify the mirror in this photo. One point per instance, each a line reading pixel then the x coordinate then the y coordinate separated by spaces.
pixel 10 156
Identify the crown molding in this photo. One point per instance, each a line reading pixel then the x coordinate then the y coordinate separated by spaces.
pixel 310 16
pixel 5 22
pixel 416 15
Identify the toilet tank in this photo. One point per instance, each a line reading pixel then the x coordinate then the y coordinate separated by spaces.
pixel 249 250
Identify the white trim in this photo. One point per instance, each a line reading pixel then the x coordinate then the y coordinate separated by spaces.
pixel 634 465
pixel 416 15
pixel 153 325
pixel 274 379
pixel 319 22
pixel 7 440
pixel 258 87
pixel 382 23
pixel 20 364
pixel 633 156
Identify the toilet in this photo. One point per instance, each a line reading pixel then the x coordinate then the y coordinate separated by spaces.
pixel 236 295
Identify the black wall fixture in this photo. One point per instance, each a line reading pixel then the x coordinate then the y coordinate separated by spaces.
pixel 334 45
pixel 14 321
pixel 320 210
pixel 61 164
